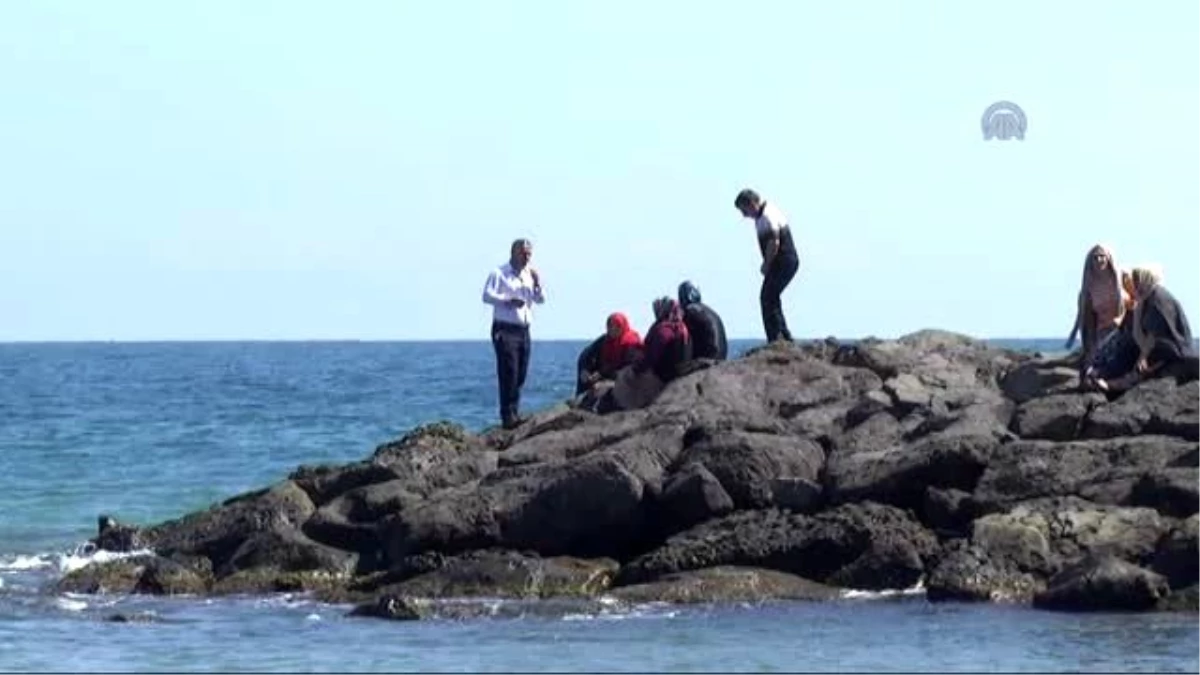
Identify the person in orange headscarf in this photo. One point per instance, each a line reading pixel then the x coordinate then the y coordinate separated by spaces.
pixel 601 360
pixel 1101 302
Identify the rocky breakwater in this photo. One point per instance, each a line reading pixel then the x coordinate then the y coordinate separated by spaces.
pixel 931 461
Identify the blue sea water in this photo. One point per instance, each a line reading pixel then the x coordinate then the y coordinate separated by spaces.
pixel 148 431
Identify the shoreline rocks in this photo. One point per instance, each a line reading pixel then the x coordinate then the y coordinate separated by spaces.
pixel 794 472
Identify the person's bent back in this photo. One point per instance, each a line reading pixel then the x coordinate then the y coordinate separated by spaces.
pixel 668 344
pixel 705 328
pixel 1161 335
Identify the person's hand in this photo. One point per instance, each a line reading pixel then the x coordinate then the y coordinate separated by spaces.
pixel 516 303
pixel 1142 366
pixel 537 280
pixel 1102 385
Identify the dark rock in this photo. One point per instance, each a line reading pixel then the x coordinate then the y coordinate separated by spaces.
pixel 507 574
pixel 580 508
pixel 1036 379
pixel 117 537
pixel 968 573
pixel 392 608
pixel 323 483
pixel 949 511
pixel 900 474
pixel 148 574
pixel 218 532
pixel 1103 584
pixel 1182 600
pixel 795 494
pixel 725 584
pixel 867 546
pixel 1159 406
pixel 1057 418
pixel 490 573
pixel 835 455
pixel 133 617
pixel 557 445
pixel 1177 554
pixel 691 496
pixel 1025 470
pixel 271 579
pixel 746 463
pixel 1170 491
pixel 289 551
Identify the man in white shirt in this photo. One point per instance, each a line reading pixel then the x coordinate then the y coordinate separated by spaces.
pixel 780 259
pixel 511 290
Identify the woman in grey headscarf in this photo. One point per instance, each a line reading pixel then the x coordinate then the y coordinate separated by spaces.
pixel 1160 331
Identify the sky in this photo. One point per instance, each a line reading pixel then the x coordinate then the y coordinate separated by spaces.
pixel 313 170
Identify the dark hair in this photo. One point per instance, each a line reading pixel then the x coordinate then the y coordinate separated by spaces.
pixel 747 199
pixel 520 243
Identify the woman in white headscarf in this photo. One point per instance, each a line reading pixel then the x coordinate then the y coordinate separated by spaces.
pixel 1100 305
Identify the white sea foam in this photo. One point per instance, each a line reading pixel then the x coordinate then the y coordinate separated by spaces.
pixel 23 563
pixel 917 589
pixel 70 562
pixel 63 563
pixel 70 604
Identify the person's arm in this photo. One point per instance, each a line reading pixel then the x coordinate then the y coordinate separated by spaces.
pixel 493 293
pixel 1078 323
pixel 537 294
pixel 771 248
pixel 586 365
pixel 534 294
pixel 769 240
pixel 1162 349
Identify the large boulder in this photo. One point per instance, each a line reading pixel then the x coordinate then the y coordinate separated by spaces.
pixel 1103 583
pixel 865 546
pixel 1105 470
pixel 1160 406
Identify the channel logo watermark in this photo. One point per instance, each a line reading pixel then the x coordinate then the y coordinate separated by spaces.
pixel 1004 121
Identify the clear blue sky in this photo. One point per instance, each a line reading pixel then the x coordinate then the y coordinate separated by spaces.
pixel 318 170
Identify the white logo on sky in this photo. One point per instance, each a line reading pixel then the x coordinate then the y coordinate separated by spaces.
pixel 1003 121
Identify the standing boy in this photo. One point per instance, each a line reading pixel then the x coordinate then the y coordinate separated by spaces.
pixel 780 260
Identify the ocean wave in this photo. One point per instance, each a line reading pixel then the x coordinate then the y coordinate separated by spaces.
pixel 855 594
pixel 64 563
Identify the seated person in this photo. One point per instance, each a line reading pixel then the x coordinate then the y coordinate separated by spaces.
pixel 1100 303
pixel 1162 338
pixel 1116 353
pixel 608 354
pixel 667 347
pixel 705 327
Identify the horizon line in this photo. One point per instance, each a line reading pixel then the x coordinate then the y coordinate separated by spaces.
pixel 445 340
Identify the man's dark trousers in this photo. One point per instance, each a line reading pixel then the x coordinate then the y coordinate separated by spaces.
pixel 783 269
pixel 511 342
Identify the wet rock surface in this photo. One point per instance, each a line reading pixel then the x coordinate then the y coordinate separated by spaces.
pixel 793 472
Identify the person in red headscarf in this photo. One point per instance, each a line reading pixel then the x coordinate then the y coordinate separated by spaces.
pixel 620 346
pixel 668 347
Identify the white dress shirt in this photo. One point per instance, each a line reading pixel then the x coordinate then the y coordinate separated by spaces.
pixel 505 284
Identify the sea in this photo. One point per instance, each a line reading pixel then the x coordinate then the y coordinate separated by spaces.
pixel 150 431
